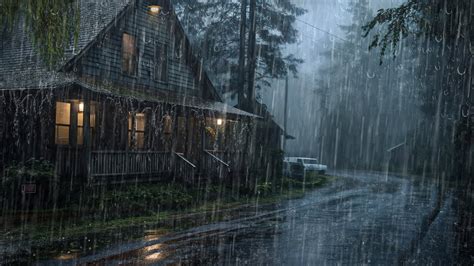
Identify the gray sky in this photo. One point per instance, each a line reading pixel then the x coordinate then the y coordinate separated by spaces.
pixel 303 113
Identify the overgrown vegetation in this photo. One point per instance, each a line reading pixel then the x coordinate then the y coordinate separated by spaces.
pixel 40 173
pixel 134 205
pixel 52 24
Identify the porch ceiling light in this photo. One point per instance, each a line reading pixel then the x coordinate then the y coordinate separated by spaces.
pixel 220 122
pixel 155 9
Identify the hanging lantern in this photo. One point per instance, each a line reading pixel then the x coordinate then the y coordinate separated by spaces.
pixel 167 124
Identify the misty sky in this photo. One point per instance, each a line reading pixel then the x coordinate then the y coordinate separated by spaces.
pixel 303 113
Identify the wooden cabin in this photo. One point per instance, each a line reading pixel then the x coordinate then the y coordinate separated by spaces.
pixel 130 100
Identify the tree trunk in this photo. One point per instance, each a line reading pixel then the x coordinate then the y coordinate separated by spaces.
pixel 243 26
pixel 252 56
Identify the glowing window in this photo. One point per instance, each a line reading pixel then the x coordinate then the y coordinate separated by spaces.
pixel 136 130
pixel 129 54
pixel 63 123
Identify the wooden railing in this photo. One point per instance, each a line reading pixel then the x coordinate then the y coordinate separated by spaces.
pixel 215 167
pixel 117 163
pixel 184 170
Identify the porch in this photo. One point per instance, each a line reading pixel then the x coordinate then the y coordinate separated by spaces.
pixel 101 138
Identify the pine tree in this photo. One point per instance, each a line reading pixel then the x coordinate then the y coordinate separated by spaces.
pixel 212 26
pixel 366 99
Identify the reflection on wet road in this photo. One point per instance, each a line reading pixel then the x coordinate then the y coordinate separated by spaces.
pixel 360 218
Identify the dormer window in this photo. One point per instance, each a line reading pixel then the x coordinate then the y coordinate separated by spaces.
pixel 129 54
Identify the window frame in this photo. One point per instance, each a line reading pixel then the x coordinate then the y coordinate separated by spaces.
pixel 134 56
pixel 74 116
pixel 62 125
pixel 132 118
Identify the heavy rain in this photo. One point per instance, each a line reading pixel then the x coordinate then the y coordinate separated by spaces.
pixel 236 132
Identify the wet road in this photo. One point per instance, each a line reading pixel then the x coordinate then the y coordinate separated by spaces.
pixel 361 218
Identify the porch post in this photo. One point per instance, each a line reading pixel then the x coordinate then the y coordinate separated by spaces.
pixel 87 134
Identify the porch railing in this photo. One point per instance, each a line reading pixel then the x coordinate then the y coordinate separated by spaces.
pixel 215 167
pixel 117 163
pixel 183 169
pixel 214 164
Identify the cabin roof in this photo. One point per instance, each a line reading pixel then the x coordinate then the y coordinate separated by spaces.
pixel 187 101
pixel 18 56
pixel 51 80
pixel 21 66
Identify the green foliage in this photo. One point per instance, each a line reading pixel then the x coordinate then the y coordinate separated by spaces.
pixel 51 23
pixel 32 170
pixel 264 189
pixel 442 33
pixel 397 22
pixel 419 18
pixel 147 199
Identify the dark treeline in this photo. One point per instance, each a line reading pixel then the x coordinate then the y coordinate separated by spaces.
pixel 407 107
pixel 416 93
pixel 368 107
pixel 242 36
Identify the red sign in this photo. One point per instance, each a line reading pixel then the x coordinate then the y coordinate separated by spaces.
pixel 28 189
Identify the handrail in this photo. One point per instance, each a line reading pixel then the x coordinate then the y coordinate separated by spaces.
pixel 181 156
pixel 217 159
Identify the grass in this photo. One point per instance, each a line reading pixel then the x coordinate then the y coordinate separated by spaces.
pixel 167 207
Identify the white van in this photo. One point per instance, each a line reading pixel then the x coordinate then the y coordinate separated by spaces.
pixel 297 167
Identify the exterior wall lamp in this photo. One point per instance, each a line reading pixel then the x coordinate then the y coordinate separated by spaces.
pixel 154 9
pixel 81 107
pixel 220 122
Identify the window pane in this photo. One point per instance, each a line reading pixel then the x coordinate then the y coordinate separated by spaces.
pixel 140 120
pixel 62 135
pixel 129 54
pixel 80 119
pixel 93 110
pixel 128 43
pixel 63 113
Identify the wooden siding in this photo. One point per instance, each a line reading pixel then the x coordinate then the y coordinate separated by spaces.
pixel 103 62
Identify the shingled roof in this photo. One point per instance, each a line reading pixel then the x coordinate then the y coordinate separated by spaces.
pixel 20 64
pixel 22 68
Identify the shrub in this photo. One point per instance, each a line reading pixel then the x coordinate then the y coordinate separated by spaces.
pixel 147 199
pixel 39 171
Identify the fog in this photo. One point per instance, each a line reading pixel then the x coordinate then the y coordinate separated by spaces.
pixel 304 103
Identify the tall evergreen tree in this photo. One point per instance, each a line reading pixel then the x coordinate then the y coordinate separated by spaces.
pixel 443 35
pixel 366 100
pixel 212 26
